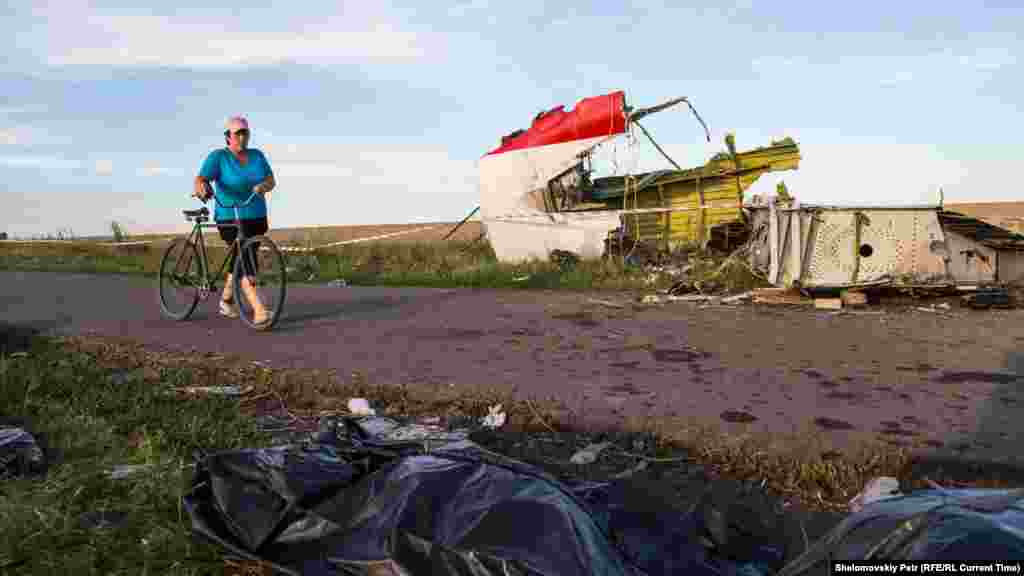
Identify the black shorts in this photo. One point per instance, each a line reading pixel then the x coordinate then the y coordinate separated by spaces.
pixel 250 227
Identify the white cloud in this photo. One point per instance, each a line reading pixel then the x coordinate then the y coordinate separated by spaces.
pixel 463 9
pixel 12 110
pixel 23 135
pixel 41 162
pixel 19 136
pixel 104 167
pixel 989 59
pixel 889 70
pixel 9 137
pixel 80 35
pixel 154 169
pixel 870 173
pixel 416 169
pixel 370 184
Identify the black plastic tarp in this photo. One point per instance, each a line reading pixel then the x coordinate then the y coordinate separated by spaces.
pixel 962 525
pixel 20 454
pixel 350 503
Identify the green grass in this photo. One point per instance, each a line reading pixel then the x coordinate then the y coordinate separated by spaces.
pixel 433 264
pixel 91 423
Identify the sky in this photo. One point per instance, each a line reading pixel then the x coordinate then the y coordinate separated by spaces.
pixel 377 112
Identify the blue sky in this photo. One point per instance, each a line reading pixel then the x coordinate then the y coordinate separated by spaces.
pixel 377 113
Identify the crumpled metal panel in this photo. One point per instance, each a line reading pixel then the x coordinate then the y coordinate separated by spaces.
pixel 720 182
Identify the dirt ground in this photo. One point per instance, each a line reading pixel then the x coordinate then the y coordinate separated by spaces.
pixel 936 381
pixel 944 382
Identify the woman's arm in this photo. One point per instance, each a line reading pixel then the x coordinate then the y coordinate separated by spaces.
pixel 208 172
pixel 201 188
pixel 266 185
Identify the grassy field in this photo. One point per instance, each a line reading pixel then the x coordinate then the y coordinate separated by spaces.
pixel 421 258
pixel 89 422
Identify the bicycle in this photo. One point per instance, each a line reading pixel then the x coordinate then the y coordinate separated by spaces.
pixel 194 276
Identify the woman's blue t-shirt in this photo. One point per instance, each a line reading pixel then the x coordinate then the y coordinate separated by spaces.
pixel 234 183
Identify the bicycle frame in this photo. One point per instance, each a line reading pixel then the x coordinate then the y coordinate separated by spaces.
pixel 208 285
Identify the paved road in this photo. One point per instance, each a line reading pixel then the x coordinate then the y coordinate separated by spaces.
pixel 903 377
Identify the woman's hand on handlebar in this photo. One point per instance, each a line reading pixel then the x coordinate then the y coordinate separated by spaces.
pixel 202 190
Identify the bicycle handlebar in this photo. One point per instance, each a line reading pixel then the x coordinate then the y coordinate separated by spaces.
pixel 246 203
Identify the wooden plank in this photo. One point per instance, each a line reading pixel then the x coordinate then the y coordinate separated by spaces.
pixel 828 303
pixel 779 296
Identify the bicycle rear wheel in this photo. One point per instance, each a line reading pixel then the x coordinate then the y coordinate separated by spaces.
pixel 179 279
pixel 269 280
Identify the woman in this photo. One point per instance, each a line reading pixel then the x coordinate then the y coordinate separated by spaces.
pixel 238 171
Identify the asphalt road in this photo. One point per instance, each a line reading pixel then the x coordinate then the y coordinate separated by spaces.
pixel 905 377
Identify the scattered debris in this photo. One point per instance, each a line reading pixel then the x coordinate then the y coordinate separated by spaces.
pixel 495 417
pixel 360 407
pixel 589 454
pixel 20 454
pixel 691 298
pixel 876 489
pixel 853 299
pixel 988 297
pixel 217 390
pixel 780 296
pixel 606 303
pixel 828 303
pixel 737 298
pixel 459 225
pixel 651 299
pixel 122 471
pixel 389 430
pixel 630 472
pixel 271 424
pixel 102 519
pixel 564 259
pixel 845 312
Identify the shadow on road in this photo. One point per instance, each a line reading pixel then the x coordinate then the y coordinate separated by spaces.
pixel 991 450
pixel 314 306
pixel 16 337
pixel 293 321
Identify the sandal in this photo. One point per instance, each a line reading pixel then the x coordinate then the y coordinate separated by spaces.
pixel 263 321
pixel 228 309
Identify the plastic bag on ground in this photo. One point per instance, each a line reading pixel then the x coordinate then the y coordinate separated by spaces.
pixel 351 502
pixel 933 525
pixel 20 455
pixel 875 490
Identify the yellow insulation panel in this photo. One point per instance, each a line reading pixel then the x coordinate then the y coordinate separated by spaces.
pixel 719 183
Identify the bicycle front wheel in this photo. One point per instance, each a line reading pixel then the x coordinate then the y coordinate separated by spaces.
pixel 179 279
pixel 260 273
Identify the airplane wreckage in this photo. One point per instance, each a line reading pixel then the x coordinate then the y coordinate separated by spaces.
pixel 537 196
